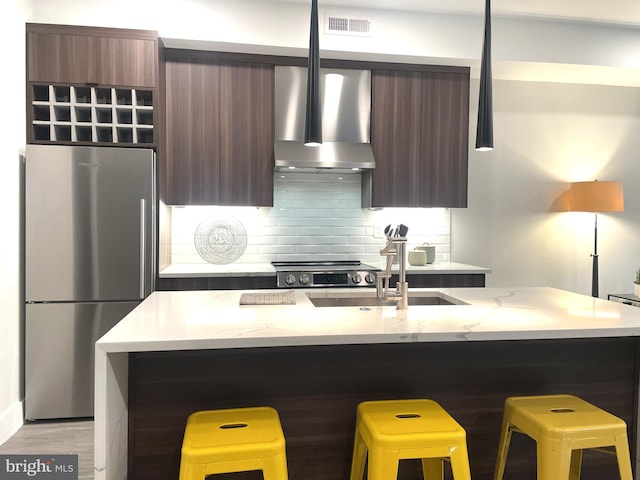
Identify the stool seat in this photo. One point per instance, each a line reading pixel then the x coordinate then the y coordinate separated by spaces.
pixel 233 440
pixel 392 430
pixel 562 426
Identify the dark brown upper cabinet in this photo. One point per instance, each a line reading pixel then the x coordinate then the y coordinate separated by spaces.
pixel 68 54
pixel 90 85
pixel 444 139
pixel 189 172
pixel 246 133
pixel 419 134
pixel 396 127
pixel 219 131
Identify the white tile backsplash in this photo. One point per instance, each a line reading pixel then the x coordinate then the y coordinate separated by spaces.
pixel 314 216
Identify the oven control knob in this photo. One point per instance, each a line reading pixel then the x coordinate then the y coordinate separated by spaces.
pixel 370 278
pixel 290 279
pixel 304 279
pixel 356 278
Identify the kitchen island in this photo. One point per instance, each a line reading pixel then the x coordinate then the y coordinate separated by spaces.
pixel 179 352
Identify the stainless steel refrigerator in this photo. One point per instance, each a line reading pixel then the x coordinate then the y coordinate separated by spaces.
pixel 89 260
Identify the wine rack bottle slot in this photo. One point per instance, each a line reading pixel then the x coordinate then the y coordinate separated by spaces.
pixel 124 116
pixel 84 134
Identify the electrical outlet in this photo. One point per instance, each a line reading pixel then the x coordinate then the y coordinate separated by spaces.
pixel 378 230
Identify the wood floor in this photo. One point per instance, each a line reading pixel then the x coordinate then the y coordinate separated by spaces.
pixel 73 437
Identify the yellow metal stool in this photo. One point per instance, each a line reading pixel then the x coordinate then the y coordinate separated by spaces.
pixel 401 429
pixel 233 440
pixel 562 426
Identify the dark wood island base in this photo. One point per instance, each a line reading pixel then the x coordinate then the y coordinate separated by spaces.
pixel 316 390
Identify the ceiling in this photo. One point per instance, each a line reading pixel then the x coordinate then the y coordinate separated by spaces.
pixel 625 12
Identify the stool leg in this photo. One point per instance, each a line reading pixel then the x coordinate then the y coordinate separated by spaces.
pixel 432 468
pixel 359 457
pixel 503 448
pixel 622 454
pixel 275 468
pixel 460 462
pixel 192 471
pixel 383 464
pixel 554 460
pixel 576 464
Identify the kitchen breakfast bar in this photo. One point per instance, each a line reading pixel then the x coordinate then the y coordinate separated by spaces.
pixel 179 352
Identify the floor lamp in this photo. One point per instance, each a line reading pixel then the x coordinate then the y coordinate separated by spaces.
pixel 596 197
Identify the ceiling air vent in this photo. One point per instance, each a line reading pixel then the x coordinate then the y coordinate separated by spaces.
pixel 347 25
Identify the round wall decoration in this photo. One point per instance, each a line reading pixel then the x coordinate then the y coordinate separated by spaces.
pixel 221 239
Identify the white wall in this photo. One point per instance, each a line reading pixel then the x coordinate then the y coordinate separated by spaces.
pixel 12 139
pixel 547 135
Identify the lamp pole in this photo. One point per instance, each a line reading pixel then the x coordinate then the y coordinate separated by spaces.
pixel 594 255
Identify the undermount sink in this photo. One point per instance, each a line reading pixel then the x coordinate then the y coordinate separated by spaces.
pixel 369 299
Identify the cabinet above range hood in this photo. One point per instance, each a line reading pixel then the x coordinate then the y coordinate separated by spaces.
pixel 346 120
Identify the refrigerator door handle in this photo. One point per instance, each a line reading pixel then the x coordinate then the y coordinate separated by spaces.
pixel 143 234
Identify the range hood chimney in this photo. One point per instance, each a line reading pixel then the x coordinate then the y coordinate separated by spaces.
pixel 346 120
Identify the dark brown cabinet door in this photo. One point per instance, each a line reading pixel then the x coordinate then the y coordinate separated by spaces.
pixel 190 169
pixel 395 134
pixel 445 139
pixel 419 133
pixel 219 132
pixel 87 55
pixel 246 134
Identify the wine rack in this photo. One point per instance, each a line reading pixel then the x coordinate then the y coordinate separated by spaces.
pixel 88 114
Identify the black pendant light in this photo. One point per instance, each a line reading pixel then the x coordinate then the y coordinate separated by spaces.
pixel 484 134
pixel 313 124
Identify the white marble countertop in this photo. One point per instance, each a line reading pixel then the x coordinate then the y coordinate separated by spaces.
pixel 437 267
pixel 189 320
pixel 266 269
pixel 194 270
pixel 186 320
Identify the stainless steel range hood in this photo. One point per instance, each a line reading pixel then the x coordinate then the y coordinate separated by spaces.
pixel 346 120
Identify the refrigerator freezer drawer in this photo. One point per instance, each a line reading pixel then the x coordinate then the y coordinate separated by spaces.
pixel 59 355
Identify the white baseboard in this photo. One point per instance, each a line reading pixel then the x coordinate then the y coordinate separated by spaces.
pixel 10 422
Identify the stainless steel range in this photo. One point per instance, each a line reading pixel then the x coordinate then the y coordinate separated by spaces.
pixel 325 274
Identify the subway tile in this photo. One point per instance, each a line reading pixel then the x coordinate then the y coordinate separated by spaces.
pixel 247 258
pixel 264 240
pixel 327 213
pixel 313 222
pixel 365 240
pixel 306 257
pixel 268 250
pixel 359 249
pixel 274 230
pixel 302 240
pixel 330 231
pixel 313 249
pixel 361 221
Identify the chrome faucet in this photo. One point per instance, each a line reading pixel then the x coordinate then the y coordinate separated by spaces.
pixel 395 246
